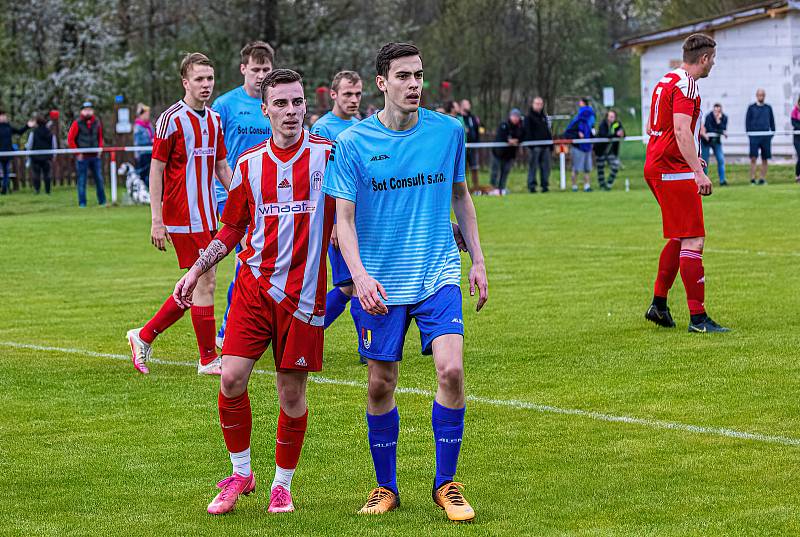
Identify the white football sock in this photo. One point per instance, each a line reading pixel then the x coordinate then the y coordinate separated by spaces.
pixel 283 477
pixel 241 463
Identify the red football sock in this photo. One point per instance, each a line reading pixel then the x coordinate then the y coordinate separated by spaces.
pixel 291 432
pixel 668 265
pixel 236 420
pixel 205 331
pixel 694 280
pixel 165 317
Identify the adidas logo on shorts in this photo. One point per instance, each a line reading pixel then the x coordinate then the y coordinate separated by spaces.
pixel 285 184
pixel 301 362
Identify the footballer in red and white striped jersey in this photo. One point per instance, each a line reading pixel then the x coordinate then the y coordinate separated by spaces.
pixel 676 92
pixel 190 143
pixel 276 200
pixel 187 152
pixel 277 194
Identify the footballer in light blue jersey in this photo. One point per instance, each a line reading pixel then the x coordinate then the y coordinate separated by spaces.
pixel 244 125
pixel 396 176
pixel 346 89
pixel 330 125
pixel 401 183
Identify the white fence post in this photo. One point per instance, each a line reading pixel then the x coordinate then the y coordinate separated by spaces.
pixel 113 178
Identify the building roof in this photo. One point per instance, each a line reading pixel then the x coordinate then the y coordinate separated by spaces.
pixel 761 10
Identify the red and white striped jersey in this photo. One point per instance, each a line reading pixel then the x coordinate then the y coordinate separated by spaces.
pixel 190 144
pixel 277 194
pixel 675 92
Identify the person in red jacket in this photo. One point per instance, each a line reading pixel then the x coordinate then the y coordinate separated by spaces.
pixel 87 131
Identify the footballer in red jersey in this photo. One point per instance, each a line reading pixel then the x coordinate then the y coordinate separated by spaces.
pixel 187 151
pixel 674 172
pixel 276 200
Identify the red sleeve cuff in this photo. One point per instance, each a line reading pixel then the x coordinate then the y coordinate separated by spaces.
pixel 230 236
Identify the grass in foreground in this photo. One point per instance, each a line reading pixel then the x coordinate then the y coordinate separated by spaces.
pixel 89 447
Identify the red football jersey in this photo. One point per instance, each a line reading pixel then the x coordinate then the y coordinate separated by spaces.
pixel 675 92
pixel 277 194
pixel 190 144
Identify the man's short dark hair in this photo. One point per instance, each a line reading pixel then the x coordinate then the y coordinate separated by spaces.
pixel 696 46
pixel 449 106
pixel 278 76
pixel 350 76
pixel 390 52
pixel 716 105
pixel 258 51
pixel 192 59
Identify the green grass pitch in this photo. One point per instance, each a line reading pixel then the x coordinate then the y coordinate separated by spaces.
pixel 556 363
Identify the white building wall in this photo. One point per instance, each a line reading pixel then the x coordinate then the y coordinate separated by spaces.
pixel 759 54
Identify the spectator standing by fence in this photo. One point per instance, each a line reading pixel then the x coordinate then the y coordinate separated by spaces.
pixel 42 138
pixel 509 131
pixel 472 126
pixel 537 129
pixel 87 131
pixel 6 144
pixel 143 135
pixel 581 127
pixel 796 138
pixel 759 119
pixel 714 128
pixel 608 152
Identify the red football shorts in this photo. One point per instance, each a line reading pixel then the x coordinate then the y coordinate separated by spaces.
pixel 189 246
pixel 681 207
pixel 255 320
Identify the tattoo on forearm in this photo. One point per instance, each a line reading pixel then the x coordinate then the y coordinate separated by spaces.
pixel 211 255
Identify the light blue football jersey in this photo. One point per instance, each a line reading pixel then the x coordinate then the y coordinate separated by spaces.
pixel 244 126
pixel 330 125
pixel 401 183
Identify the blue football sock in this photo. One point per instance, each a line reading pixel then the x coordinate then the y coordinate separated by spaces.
pixel 335 303
pixel 448 428
pixel 224 323
pixel 221 332
pixel 384 430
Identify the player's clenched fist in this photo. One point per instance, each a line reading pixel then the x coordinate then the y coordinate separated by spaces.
pixel 703 184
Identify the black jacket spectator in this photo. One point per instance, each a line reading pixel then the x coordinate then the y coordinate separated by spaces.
pixel 713 127
pixel 43 138
pixel 607 130
pixel 536 127
pixel 6 132
pixel 759 118
pixel 472 126
pixel 506 131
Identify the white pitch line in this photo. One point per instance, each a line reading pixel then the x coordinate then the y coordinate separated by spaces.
pixel 507 403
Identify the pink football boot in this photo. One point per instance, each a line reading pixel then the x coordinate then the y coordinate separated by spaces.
pixel 280 501
pixel 232 487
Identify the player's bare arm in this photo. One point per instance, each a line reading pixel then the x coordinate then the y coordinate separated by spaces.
pixel 213 254
pixel 368 290
pixel 224 173
pixel 158 231
pixel 459 238
pixel 468 222
pixel 685 138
